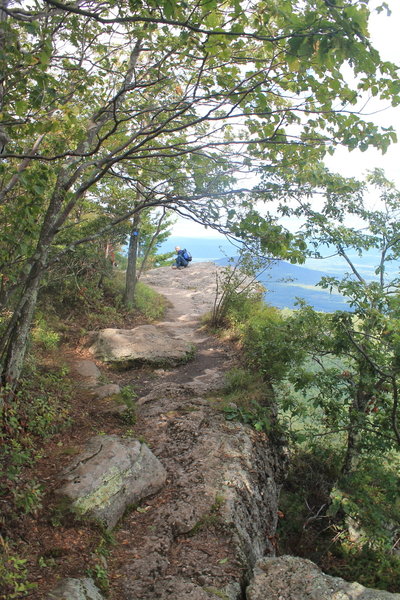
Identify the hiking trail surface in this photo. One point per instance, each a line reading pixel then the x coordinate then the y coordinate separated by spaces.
pixel 195 501
pixel 199 535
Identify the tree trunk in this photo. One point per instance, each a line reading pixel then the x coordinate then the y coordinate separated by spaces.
pixel 357 411
pixel 17 336
pixel 14 342
pixel 130 281
pixel 151 244
pixel 352 450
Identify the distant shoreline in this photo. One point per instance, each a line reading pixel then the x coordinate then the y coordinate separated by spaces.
pixel 303 279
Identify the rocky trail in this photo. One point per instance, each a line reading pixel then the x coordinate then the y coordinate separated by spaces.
pixel 190 498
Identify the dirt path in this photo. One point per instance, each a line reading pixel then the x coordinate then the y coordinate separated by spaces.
pixel 191 294
pixel 172 546
pixel 190 291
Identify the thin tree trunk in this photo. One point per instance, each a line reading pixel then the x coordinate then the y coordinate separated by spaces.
pixel 14 342
pixel 352 451
pixel 357 412
pixel 151 244
pixel 130 281
pixel 17 337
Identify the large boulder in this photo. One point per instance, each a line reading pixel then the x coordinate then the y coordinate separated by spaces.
pixel 111 474
pixel 146 344
pixel 292 578
pixel 76 589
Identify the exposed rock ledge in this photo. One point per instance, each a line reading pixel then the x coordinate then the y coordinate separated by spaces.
pixel 145 344
pixel 292 578
pixel 217 513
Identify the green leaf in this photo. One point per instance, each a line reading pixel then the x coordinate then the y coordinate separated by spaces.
pixel 213 20
pixel 21 107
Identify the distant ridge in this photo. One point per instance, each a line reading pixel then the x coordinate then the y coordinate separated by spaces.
pixel 286 282
pixel 281 294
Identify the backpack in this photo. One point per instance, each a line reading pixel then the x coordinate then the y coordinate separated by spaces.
pixel 186 255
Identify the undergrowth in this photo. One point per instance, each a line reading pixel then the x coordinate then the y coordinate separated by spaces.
pixel 41 408
pixel 127 397
pixel 14 579
pixel 349 525
pixel 345 524
pixel 150 304
pixel 36 411
pixel 249 400
pixel 92 305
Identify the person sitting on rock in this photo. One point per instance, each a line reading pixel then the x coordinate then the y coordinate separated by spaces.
pixel 180 261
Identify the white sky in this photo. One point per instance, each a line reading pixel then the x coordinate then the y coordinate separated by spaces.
pixel 385 33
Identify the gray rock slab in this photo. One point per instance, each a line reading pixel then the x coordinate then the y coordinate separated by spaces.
pixel 104 391
pixel 292 578
pixel 223 496
pixel 86 368
pixel 145 344
pixel 111 474
pixel 180 588
pixel 76 589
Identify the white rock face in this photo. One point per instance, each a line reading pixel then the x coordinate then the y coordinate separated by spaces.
pixel 144 344
pixel 76 589
pixel 292 578
pixel 111 474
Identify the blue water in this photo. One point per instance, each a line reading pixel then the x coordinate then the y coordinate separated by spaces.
pixel 202 249
pixel 286 282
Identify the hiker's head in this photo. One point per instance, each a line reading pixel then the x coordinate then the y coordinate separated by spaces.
pixel 177 248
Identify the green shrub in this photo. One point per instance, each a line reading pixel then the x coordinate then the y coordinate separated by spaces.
pixel 148 302
pixel 13 574
pixel 43 335
pixel 369 496
pixel 348 525
pixel 100 576
pixel 127 396
pixel 247 389
pixel 237 380
pixel 369 566
pixel 257 416
pixel 28 496
pixel 270 345
pixel 237 290
pixel 305 530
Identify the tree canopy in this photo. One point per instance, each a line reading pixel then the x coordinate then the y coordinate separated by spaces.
pixel 183 100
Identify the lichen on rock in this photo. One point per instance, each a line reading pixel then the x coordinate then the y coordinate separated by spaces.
pixel 75 589
pixel 109 475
